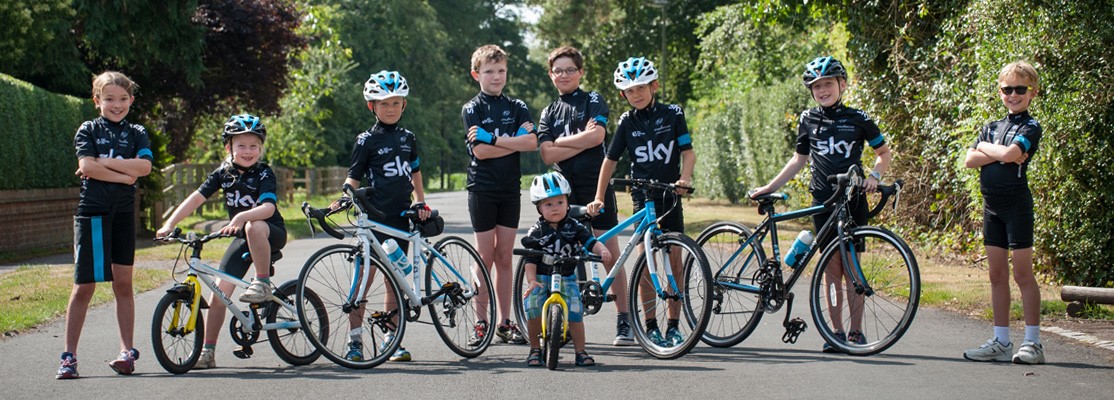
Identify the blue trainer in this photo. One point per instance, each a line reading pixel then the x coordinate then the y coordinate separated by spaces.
pixel 355 351
pixel 68 369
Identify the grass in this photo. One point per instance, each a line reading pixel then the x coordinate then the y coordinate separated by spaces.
pixel 33 295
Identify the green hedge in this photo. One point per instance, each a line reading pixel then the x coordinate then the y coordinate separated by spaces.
pixel 37 150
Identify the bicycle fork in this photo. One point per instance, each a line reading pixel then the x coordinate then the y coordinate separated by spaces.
pixel 555 297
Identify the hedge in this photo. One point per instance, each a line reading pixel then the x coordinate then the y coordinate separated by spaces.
pixel 37 150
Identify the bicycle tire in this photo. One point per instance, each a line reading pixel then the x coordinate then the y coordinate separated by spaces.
pixel 695 304
pixel 518 295
pixel 457 323
pixel 890 268
pixel 330 274
pixel 291 345
pixel 735 313
pixel 556 320
pixel 177 352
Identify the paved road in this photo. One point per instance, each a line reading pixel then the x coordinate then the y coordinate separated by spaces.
pixel 925 364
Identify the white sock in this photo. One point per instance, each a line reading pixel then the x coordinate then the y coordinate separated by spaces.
pixel 354 334
pixel 1033 333
pixel 1002 334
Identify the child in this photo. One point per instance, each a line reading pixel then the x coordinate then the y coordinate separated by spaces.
pixel 499 128
pixel 656 138
pixel 111 155
pixel 387 155
pixel 251 192
pixel 832 137
pixel 1002 153
pixel 556 234
pixel 571 131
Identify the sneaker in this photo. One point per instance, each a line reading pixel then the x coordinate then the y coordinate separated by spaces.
pixel 840 337
pixel 125 363
pixel 856 337
pixel 401 355
pixel 355 351
pixel 623 335
pixel 206 360
pixel 478 334
pixel 992 350
pixel 508 332
pixel 68 369
pixel 1029 353
pixel 673 337
pixel 654 334
pixel 258 292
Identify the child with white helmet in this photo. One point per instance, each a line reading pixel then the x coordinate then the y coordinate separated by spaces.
pixel 555 233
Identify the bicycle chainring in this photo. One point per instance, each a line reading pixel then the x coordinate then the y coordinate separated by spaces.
pixel 243 336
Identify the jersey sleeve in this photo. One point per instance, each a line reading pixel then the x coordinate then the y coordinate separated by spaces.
pixel 471 117
pixel 619 140
pixel 360 157
pixel 143 144
pixel 803 145
pixel 84 142
pixel 415 160
pixel 1029 137
pixel 522 116
pixel 268 187
pixel 597 109
pixel 532 241
pixel 584 236
pixel 684 137
pixel 545 126
pixel 871 134
pixel 984 136
pixel 211 183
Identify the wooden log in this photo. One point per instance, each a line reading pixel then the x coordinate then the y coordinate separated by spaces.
pixel 1087 294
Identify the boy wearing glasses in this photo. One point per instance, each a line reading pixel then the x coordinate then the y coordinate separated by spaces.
pixel 571 133
pixel 1002 153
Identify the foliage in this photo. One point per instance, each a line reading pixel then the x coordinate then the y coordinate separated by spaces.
pixel 35 45
pixel 38 150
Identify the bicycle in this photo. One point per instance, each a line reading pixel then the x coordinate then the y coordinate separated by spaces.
pixel 343 275
pixel 178 327
pixel 881 267
pixel 647 288
pixel 555 310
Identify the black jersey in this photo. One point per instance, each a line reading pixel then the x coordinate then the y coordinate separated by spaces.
pixel 244 189
pixel 386 155
pixel 567 116
pixel 654 139
pixel 1005 179
pixel 833 139
pixel 102 138
pixel 502 116
pixel 566 240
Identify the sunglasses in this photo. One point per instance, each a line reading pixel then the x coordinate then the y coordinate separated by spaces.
pixel 1008 90
pixel 567 71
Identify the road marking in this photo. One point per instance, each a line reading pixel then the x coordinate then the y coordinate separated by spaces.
pixel 1082 337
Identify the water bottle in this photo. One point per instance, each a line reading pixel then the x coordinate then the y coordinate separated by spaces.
pixel 397 257
pixel 800 246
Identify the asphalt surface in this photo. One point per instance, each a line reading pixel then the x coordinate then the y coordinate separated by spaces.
pixel 925 364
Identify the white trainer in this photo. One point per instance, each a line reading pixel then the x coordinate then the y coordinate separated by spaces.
pixel 206 361
pixel 258 292
pixel 992 350
pixel 1029 353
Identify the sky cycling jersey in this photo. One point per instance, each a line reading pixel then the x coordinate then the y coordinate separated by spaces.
pixel 501 116
pixel 102 138
pixel 654 139
pixel 567 116
pixel 244 189
pixel 386 155
pixel 833 139
pixel 567 239
pixel 1007 179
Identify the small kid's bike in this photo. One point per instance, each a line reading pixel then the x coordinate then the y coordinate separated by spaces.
pixel 880 275
pixel 177 329
pixel 555 310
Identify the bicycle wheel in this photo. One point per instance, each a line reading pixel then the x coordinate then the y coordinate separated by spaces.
pixel 883 316
pixel 555 330
pixel 518 294
pixel 457 315
pixel 289 343
pixel 176 349
pixel 735 312
pixel 352 337
pixel 690 308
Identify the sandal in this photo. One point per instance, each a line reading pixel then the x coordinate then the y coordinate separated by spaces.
pixel 584 360
pixel 535 358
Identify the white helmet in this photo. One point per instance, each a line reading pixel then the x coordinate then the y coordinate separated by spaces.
pixel 548 185
pixel 635 71
pixel 384 84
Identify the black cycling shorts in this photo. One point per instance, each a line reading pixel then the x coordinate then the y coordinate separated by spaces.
pixel 607 218
pixel 99 242
pixel 673 220
pixel 857 210
pixel 1008 223
pixel 488 209
pixel 233 262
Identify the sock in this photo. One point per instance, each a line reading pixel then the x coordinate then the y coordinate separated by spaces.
pixel 1002 334
pixel 651 324
pixel 672 323
pixel 210 346
pixel 1033 333
pixel 264 279
pixel 354 334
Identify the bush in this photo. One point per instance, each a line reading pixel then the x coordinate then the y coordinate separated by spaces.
pixel 38 150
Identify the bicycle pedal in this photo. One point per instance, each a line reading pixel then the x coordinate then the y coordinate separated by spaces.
pixel 243 352
pixel 609 298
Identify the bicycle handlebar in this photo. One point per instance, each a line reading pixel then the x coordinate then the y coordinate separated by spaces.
pixel 650 184
pixel 557 260
pixel 191 238
pixel 319 214
pixel 352 196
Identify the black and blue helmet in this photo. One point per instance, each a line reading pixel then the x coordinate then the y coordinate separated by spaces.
pixel 822 67
pixel 384 84
pixel 243 123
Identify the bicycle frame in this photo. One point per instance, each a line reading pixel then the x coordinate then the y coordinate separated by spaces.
pixel 643 233
pixel 200 272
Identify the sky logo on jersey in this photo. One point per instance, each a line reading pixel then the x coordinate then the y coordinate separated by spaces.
pixel 396 168
pixel 651 153
pixel 234 199
pixel 487 120
pixel 834 147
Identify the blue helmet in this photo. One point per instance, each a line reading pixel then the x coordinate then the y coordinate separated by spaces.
pixel 822 67
pixel 384 84
pixel 243 123
pixel 635 71
pixel 548 185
